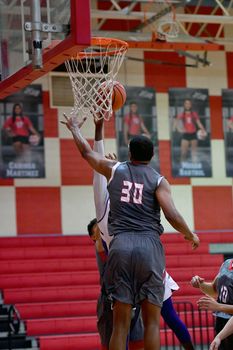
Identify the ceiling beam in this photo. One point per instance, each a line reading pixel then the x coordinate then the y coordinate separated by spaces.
pixel 182 17
pixel 195 11
pixel 204 25
pixel 224 10
pixel 136 15
pixel 221 26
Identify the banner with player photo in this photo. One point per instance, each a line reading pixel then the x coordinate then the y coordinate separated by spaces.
pixel 22 134
pixel 190 132
pixel 227 112
pixel 137 117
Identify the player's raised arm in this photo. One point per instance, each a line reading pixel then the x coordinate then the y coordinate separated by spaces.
pixel 101 197
pixel 96 161
pixel 99 181
pixel 163 194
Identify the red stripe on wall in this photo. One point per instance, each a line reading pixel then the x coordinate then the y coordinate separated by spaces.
pixel 229 57
pixel 6 182
pixel 50 117
pixel 216 117
pixel 74 169
pixel 213 207
pixel 165 164
pixel 162 77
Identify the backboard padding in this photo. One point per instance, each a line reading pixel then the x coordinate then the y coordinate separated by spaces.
pixel 57 52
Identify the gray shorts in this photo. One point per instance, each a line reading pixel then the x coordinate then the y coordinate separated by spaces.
pixel 135 268
pixel 104 319
pixel 105 322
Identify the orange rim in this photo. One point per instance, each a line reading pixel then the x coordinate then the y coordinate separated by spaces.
pixel 118 46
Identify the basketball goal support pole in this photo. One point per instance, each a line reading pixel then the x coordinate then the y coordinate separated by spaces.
pixel 37 62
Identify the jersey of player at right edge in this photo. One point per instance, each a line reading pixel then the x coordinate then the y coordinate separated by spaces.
pixel 225 286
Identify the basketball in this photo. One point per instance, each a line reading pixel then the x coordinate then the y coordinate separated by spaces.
pixel 34 140
pixel 201 135
pixel 118 96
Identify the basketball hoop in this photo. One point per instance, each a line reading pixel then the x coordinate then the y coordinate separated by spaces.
pixel 92 73
pixel 168 29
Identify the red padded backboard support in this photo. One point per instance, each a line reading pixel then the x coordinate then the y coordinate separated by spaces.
pixel 78 39
pixel 185 46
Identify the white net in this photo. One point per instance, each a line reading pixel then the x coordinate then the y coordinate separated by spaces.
pixel 92 74
pixel 168 29
pixel 163 23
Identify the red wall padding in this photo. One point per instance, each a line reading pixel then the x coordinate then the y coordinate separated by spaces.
pixel 162 77
pixel 74 169
pixel 38 210
pixel 213 207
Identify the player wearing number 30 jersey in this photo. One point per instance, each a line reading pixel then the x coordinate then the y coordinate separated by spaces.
pixel 170 316
pixel 136 258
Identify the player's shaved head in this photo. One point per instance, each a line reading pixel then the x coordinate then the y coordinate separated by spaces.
pixel 141 148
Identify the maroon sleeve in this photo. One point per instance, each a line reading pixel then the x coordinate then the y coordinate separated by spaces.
pixel 195 116
pixel 180 116
pixel 8 123
pixel 28 122
pixel 126 119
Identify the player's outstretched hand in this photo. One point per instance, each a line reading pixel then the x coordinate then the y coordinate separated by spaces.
pixel 196 281
pixel 207 303
pixel 215 343
pixel 72 122
pixel 195 241
pixel 111 156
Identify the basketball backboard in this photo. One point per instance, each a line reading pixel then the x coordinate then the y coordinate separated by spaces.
pixel 62 27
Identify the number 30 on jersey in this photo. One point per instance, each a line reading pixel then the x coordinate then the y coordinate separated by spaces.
pixel 137 192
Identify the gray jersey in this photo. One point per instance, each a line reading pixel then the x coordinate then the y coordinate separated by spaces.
pixel 133 205
pixel 225 286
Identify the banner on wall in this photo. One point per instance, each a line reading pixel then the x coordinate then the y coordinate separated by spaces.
pixel 190 132
pixel 137 117
pixel 227 112
pixel 22 134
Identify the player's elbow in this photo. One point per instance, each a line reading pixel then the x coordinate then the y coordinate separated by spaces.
pixel 85 154
pixel 88 156
pixel 173 217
